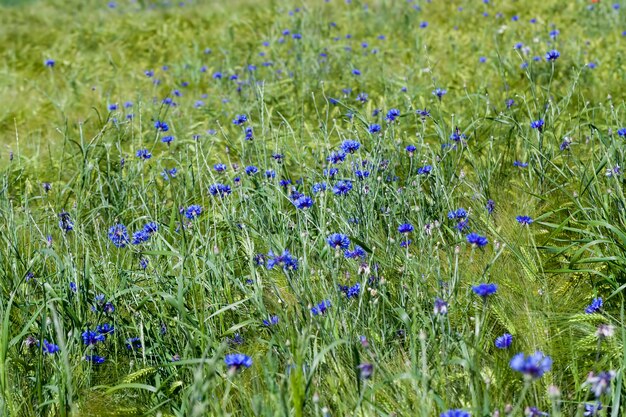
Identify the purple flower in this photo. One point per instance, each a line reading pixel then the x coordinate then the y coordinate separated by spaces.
pixel 600 383
pixel 441 307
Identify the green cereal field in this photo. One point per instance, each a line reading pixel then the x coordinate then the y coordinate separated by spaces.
pixel 322 208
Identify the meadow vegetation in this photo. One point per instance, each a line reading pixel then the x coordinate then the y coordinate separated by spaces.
pixel 317 208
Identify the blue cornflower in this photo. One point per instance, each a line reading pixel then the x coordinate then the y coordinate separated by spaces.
pixel 462 225
pixel 477 240
pixel 552 55
pixel 330 173
pixel 219 167
pixel 596 304
pixel 491 206
pixel 520 164
pixel 410 149
pixel 143 154
pixel 338 241
pixel 320 308
pixel 356 72
pixel 459 213
pixel 537 124
pixel 336 157
pixel 361 174
pixel 532 366
pixel 303 202
pixel 286 260
pixel 95 359
pixel 240 119
pixel 440 92
pixel 193 211
pixel 105 329
pixel 113 107
pixel 169 173
pixel 351 292
pixel 534 412
pixel 161 126
pixel 504 341
pixel 392 115
pixel 406 228
pixel 272 321
pixel 49 63
pixel 319 187
pixel 65 223
pixel 140 237
pixel 49 348
pixel 342 187
pixel 362 97
pixel 358 252
pixel 425 170
pixel 133 343
pixel 251 170
pixel 484 290
pixel 167 139
pixel 270 173
pixel 249 133
pixel 237 361
pixel 150 227
pixel 455 413
pixel 220 190
pixel 510 103
pixel 350 146
pixel 423 113
pixel 91 337
pixel 143 263
pixel 524 220
pixel 622 132
pixel 592 409
pixel 457 136
pixel 565 144
pixel 119 235
pixel 284 182
pixel 374 128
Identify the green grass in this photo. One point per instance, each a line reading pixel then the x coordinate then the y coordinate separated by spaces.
pixel 202 289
